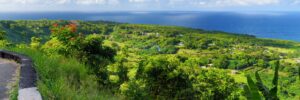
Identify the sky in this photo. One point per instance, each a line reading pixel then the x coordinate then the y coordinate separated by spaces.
pixel 148 5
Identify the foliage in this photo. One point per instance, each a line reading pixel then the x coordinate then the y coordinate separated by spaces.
pixel 221 62
pixel 252 91
pixel 63 78
pixel 2 35
pixel 163 77
pixel 88 49
pixel 93 53
pixel 135 90
pixel 4 43
pixel 54 46
pixel 35 42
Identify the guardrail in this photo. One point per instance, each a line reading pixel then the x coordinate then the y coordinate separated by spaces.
pixel 28 77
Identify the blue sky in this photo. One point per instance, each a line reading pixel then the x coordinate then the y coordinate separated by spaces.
pixel 148 5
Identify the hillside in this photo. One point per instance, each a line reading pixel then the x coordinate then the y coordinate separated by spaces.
pixel 138 61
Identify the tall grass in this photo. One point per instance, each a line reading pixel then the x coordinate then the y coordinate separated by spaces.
pixel 61 78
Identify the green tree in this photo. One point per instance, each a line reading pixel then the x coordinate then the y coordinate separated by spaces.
pixel 164 77
pixel 221 62
pixel 89 49
pixel 35 42
pixel 261 63
pixel 2 35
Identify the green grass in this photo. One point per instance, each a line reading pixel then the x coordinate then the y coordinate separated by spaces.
pixel 61 78
pixel 240 77
pixel 14 86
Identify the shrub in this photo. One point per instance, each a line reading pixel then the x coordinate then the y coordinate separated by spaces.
pixel 35 42
pixel 66 41
pixel 221 62
pixel 4 43
pixel 2 35
pixel 54 46
pixel 163 77
pixel 135 90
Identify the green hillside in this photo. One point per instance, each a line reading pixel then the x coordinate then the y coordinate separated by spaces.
pixel 135 61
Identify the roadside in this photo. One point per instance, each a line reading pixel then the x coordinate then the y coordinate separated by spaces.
pixel 8 74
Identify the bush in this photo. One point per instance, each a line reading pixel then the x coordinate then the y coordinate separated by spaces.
pixel 221 62
pixel 135 90
pixel 2 35
pixel 54 46
pixel 4 43
pixel 92 49
pixel 88 49
pixel 163 77
pixel 35 42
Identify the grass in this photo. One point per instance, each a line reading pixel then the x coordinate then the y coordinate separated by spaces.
pixel 240 77
pixel 14 86
pixel 281 50
pixel 61 78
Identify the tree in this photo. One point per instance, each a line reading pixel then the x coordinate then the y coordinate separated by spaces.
pixel 221 62
pixel 163 77
pixel 261 63
pixel 2 35
pixel 35 42
pixel 89 49
pixel 66 34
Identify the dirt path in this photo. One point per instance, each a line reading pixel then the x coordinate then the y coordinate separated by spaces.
pixel 8 70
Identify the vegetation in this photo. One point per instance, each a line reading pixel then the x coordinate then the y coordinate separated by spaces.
pixel 107 60
pixel 252 90
pixel 64 78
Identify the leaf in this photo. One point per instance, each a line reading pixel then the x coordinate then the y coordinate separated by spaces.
pixel 275 79
pixel 248 93
pixel 253 89
pixel 273 91
pixel 261 86
pixel 299 72
pixel 273 94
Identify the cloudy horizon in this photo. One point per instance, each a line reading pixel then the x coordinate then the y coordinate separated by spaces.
pixel 148 5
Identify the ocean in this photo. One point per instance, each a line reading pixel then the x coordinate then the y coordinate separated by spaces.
pixel 276 25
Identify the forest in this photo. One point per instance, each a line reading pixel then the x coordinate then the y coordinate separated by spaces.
pixel 92 60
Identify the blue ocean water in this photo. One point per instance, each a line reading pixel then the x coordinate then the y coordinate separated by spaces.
pixel 277 25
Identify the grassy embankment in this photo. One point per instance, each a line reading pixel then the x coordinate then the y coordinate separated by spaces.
pixel 63 78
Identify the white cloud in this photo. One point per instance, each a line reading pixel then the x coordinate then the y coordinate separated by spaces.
pixel 90 2
pixel 113 2
pixel 136 1
pixel 224 3
pixel 144 1
pixel 62 1
pixel 41 2
pixel 296 2
pixel 95 2
pixel 147 4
